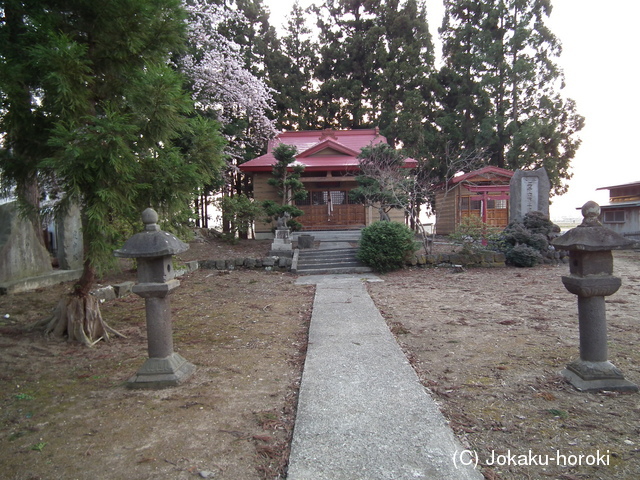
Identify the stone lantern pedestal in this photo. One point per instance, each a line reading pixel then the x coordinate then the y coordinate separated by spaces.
pixel 153 250
pixel 591 279
pixel 281 245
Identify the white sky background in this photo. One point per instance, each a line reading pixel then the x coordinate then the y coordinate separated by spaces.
pixel 600 61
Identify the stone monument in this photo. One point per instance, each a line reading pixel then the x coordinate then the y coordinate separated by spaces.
pixel 281 245
pixel 528 192
pixel 591 279
pixel 70 252
pixel 21 253
pixel 153 250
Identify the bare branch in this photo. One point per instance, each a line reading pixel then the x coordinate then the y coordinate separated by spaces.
pixel 390 185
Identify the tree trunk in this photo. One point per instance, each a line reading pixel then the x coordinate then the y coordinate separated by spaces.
pixel 88 278
pixel 29 192
pixel 77 316
pixel 79 320
pixel 197 209
pixel 205 210
pixel 226 225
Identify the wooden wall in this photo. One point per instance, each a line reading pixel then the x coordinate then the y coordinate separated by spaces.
pixel 263 191
pixel 446 211
pixel 396 215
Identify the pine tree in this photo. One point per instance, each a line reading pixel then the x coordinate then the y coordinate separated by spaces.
pixel 503 88
pixel 285 178
pixel 286 174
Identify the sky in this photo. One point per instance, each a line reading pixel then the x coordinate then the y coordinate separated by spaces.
pixel 599 59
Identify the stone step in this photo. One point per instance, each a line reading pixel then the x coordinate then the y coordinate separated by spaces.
pixel 331 264
pixel 328 253
pixel 323 270
pixel 322 262
pixel 319 254
pixel 326 261
pixel 330 236
pixel 336 257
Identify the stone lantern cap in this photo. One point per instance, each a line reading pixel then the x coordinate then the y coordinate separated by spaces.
pixel 152 242
pixel 590 235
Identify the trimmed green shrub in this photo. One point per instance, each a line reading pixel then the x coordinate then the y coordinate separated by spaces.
pixel 526 243
pixel 385 246
pixel 240 212
pixel 537 222
pixel 523 256
pixel 539 242
pixel 516 233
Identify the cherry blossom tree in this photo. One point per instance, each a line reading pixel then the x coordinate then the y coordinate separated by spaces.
pixel 221 83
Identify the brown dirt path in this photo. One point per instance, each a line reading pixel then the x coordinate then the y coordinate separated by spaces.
pixel 65 413
pixel 489 344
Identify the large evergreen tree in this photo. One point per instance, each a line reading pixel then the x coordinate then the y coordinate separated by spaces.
pixel 296 95
pixel 349 42
pixel 376 69
pixel 406 82
pixel 502 87
pixel 115 111
pixel 23 121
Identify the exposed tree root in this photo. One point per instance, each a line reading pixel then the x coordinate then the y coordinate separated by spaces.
pixel 78 318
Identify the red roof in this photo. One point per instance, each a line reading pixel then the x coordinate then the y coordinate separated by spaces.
pixel 487 173
pixel 322 149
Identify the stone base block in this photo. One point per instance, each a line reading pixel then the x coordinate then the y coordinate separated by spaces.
pixel 105 293
pixel 594 376
pixel 305 241
pixel 281 253
pixel 165 372
pixel 279 245
pixel 123 289
pixel 32 283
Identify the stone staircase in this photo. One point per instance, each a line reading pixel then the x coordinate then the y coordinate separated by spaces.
pixel 328 261
pixel 335 254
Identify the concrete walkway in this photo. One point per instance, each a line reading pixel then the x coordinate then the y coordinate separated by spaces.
pixel 362 412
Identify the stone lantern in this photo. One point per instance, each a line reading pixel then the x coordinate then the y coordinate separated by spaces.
pixel 591 279
pixel 153 250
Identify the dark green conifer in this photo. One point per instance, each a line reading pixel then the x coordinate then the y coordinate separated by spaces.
pixel 502 86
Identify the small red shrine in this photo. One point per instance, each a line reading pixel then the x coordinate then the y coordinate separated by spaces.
pixel 483 193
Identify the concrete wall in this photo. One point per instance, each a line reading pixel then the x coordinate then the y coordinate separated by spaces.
pixel 21 254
